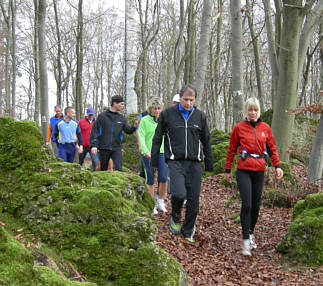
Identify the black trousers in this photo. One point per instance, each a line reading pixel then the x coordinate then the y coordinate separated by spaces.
pixel 185 183
pixel 83 155
pixel 115 155
pixel 250 184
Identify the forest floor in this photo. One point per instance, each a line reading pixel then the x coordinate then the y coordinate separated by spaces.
pixel 215 258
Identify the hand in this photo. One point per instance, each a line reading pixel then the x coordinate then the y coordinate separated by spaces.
pixel 136 123
pixel 139 149
pixel 47 143
pixel 279 173
pixel 228 177
pixel 81 149
pixel 148 155
pixel 94 150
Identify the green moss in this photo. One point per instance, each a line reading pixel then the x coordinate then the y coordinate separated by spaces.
pixel 100 222
pixel 274 197
pixel 16 266
pixel 304 240
pixel 218 136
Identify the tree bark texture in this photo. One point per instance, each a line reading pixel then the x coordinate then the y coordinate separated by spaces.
pixel 236 48
pixel 79 62
pixel 202 59
pixel 130 57
pixel 42 5
pixel 283 123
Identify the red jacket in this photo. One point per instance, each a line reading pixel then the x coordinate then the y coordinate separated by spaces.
pixel 86 127
pixel 255 140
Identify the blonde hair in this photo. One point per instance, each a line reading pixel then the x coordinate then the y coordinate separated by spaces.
pixel 252 102
pixel 154 102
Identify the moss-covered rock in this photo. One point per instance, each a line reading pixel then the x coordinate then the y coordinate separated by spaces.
pixel 100 222
pixel 304 240
pixel 16 266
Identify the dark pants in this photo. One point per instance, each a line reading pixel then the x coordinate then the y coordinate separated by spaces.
pixel 115 155
pixel 250 184
pixel 67 152
pixel 83 155
pixel 55 148
pixel 185 183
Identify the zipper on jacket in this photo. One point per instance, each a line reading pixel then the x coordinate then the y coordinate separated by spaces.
pixel 111 136
pixel 186 132
pixel 254 132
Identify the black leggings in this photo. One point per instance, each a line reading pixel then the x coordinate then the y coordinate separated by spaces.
pixel 250 184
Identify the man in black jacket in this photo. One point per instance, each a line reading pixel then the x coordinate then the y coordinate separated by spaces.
pixel 106 134
pixel 186 134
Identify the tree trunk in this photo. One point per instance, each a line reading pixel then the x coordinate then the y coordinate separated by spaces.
pixel 130 57
pixel 7 18
pixel 13 57
pixel 79 62
pixel 42 5
pixel 236 47
pixel 256 54
pixel 202 59
pixel 272 50
pixel 189 72
pixel 36 65
pixel 315 167
pixel 59 57
pixel 282 123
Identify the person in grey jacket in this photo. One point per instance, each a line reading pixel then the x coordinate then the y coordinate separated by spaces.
pixel 187 141
pixel 106 134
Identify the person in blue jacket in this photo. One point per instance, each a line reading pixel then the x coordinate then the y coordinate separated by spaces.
pixel 67 134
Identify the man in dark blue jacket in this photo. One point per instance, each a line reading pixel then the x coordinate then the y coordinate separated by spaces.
pixel 106 134
pixel 186 136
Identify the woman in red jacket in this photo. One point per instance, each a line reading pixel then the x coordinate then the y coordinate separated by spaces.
pixel 252 139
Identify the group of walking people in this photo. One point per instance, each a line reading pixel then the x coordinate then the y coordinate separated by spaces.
pixel 175 141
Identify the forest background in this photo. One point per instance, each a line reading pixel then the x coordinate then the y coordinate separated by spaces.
pixel 81 53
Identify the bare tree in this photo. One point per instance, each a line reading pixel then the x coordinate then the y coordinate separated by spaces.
pixel 202 58
pixel 236 47
pixel 130 57
pixel 79 62
pixel 43 78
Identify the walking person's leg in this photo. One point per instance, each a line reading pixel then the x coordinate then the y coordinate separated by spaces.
pixel 104 159
pixel 93 159
pixel 162 180
pixel 55 148
pixel 193 179
pixel 62 152
pixel 116 156
pixel 257 186
pixel 178 193
pixel 70 152
pixel 245 188
pixel 83 155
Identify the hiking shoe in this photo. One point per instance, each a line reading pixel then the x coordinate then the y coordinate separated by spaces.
pixel 191 237
pixel 155 210
pixel 253 244
pixel 161 205
pixel 246 249
pixel 175 228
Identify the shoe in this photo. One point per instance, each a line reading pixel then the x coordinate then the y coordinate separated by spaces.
pixel 246 249
pixel 191 237
pixel 253 244
pixel 155 211
pixel 161 205
pixel 175 228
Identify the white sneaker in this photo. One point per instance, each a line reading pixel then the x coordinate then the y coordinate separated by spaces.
pixel 253 244
pixel 155 211
pixel 161 205
pixel 246 249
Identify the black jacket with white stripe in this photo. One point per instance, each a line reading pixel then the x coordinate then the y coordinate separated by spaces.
pixel 184 139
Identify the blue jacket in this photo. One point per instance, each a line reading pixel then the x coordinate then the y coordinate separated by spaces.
pixel 68 132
